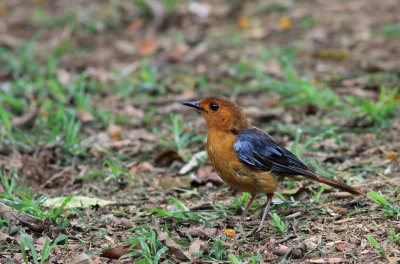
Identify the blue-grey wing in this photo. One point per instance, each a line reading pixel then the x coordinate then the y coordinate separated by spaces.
pixel 259 151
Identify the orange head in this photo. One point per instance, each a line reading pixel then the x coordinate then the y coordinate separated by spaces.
pixel 220 113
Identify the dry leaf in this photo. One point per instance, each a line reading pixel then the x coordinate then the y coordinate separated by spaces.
pixel 230 232
pixel 264 114
pixel 393 156
pixel 85 115
pixel 170 183
pixel 142 167
pixel 206 174
pixel 243 22
pixel 81 258
pixel 331 54
pixel 128 110
pixel 178 52
pixel 285 23
pixel 142 134
pixel 27 120
pixel 117 252
pixel 126 223
pixel 157 9
pixel 195 161
pixel 175 249
pixel 167 156
pixel 3 9
pixel 271 102
pixel 73 245
pixel 125 47
pixel 330 260
pixel 202 10
pixel 63 77
pixel 195 246
pixel 134 25
pixel 196 52
pixel 281 250
pixel 115 132
pixel 202 232
pixel 147 47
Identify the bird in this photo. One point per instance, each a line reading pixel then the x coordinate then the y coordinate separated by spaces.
pixel 247 158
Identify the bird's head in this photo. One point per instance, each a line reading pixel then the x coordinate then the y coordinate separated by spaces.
pixel 220 113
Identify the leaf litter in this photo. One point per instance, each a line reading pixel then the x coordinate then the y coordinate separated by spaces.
pixel 331 231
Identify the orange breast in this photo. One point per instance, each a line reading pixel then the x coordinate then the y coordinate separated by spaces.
pixel 228 166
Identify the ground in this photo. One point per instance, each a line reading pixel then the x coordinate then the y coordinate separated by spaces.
pixel 90 107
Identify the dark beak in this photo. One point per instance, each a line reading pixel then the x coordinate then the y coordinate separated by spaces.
pixel 194 104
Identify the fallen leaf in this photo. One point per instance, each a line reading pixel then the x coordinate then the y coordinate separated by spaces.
pixel 230 233
pixel 301 194
pixel 157 9
pixel 195 246
pixel 330 260
pixel 331 54
pixel 206 174
pixel 147 47
pixel 81 258
pixel 264 114
pixel 141 134
pixel 74 245
pixel 134 25
pixel 142 167
pixel 98 74
pixel 311 243
pixel 85 115
pixel 125 47
pixel 331 212
pixel 195 161
pixel 115 132
pixel 177 53
pixel 164 238
pixel 63 76
pixel 166 157
pixel 285 23
pixel 196 52
pixel 170 183
pixel 4 237
pixel 117 252
pixel 393 156
pixel 388 170
pixel 27 120
pixel 127 223
pixel 76 202
pixel 202 10
pixel 128 110
pixel 281 250
pixel 3 9
pixel 202 232
pixel 243 22
pixel 271 102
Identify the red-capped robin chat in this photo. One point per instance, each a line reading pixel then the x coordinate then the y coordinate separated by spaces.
pixel 248 159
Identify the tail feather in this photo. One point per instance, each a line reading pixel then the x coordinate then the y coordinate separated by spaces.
pixel 331 182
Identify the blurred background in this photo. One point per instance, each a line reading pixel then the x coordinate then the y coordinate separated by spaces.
pixel 90 105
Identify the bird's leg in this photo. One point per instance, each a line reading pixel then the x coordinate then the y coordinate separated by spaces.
pixel 253 197
pixel 269 199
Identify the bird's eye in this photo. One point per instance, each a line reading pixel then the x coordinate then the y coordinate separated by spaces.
pixel 214 107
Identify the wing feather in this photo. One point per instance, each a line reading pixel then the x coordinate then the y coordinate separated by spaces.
pixel 259 151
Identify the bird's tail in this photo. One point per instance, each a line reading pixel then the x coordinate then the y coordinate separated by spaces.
pixel 331 182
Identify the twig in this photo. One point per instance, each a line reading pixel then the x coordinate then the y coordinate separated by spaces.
pixel 291 234
pixel 128 203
